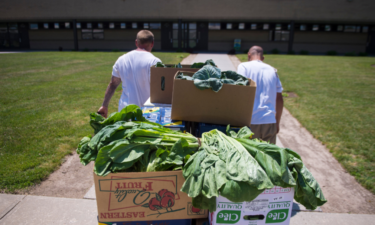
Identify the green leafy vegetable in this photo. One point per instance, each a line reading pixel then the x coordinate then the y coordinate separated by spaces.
pixel 284 167
pixel 210 77
pixel 159 64
pixel 201 64
pixel 138 145
pixel 222 165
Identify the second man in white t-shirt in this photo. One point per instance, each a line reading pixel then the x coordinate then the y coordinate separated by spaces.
pixel 133 70
pixel 268 103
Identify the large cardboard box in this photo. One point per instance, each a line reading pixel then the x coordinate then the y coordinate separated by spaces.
pixel 143 196
pixel 273 206
pixel 233 104
pixel 161 75
pixel 151 222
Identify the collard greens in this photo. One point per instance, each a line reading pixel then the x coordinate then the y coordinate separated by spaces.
pixel 121 145
pixel 211 77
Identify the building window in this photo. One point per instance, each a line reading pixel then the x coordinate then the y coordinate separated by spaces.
pixel 349 28
pixel 358 29
pixel 45 25
pixel 89 25
pixel 89 34
pixel 241 26
pixel 67 25
pixel 98 34
pixel 134 25
pixel 302 27
pixel 266 26
pixel 57 25
pixel 111 25
pixel 253 26
pixel 327 28
pixel 315 27
pixel 340 28
pixel 123 25
pixel 86 34
pixel 214 26
pixel 100 25
pixel 78 25
pixel 364 29
pixel 13 26
pixel 278 27
pixel 270 35
pixel 175 35
pixel 33 26
pixel 145 26
pixel 229 26
pixel 155 26
pixel 281 35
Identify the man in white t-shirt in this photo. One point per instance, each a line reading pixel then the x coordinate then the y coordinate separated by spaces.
pixel 133 70
pixel 268 103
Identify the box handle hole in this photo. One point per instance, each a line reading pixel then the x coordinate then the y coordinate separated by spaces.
pixel 162 83
pixel 253 217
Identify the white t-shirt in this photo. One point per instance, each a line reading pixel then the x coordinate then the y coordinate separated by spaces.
pixel 134 70
pixel 268 83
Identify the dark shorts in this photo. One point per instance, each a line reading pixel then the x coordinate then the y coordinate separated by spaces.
pixel 265 132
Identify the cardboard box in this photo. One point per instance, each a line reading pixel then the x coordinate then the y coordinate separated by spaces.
pixel 166 121
pixel 143 196
pixel 150 222
pixel 273 206
pixel 233 104
pixel 159 75
pixel 152 113
pixel 202 221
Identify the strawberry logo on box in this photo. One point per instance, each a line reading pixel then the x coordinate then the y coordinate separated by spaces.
pixel 163 202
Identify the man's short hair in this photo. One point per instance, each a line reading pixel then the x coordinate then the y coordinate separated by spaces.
pixel 145 37
pixel 256 50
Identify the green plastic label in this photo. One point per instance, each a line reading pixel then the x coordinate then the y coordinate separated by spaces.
pixel 277 216
pixel 228 217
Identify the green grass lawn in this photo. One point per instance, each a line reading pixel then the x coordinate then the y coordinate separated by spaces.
pixel 336 103
pixel 45 101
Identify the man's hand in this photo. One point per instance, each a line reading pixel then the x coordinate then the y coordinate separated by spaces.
pixel 115 81
pixel 103 111
pixel 279 109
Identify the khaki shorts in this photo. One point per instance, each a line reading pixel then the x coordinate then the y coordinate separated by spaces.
pixel 265 132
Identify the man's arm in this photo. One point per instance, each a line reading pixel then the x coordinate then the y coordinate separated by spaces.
pixel 279 109
pixel 115 81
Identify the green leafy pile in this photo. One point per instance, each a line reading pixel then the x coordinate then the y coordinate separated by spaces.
pixel 159 64
pixel 285 169
pixel 211 77
pixel 239 169
pixel 201 64
pixel 120 145
pixel 222 166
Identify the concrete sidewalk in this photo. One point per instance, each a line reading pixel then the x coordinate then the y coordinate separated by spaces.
pixel 37 210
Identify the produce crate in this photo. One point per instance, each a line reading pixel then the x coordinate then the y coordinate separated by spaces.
pixel 233 104
pixel 273 206
pixel 144 196
pixel 150 222
pixel 161 82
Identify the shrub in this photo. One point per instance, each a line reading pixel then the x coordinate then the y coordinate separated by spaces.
pixel 245 51
pixel 350 54
pixel 85 50
pixel 362 54
pixel 232 52
pixel 304 52
pixel 115 50
pixel 331 52
pixel 275 51
pixel 291 52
